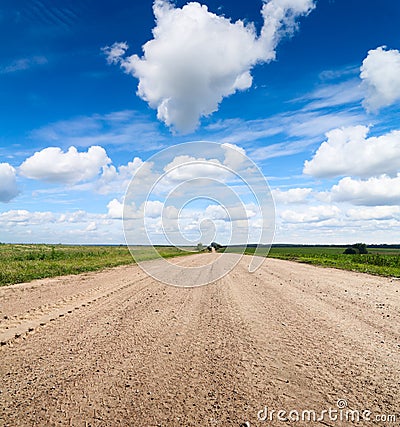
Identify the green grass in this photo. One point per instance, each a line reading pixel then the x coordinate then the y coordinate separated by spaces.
pixel 22 263
pixel 380 261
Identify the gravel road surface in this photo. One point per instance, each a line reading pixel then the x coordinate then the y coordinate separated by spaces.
pixel 117 348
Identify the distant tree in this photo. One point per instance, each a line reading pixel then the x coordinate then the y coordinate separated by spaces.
pixel 200 246
pixel 216 246
pixel 357 248
pixel 361 247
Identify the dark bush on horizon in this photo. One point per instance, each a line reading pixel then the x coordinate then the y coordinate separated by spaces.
pixel 350 251
pixel 357 248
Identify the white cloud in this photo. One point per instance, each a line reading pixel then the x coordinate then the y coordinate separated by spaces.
pixel 184 168
pixel 197 58
pixel 152 209
pixel 235 156
pixel 24 217
pixel 115 52
pixel 230 213
pixel 115 209
pixel 344 226
pixel 170 212
pixel 348 151
pixel 116 180
pixel 8 183
pixel 53 165
pixel 92 226
pixel 294 195
pixel 149 209
pixel 374 213
pixel 382 190
pixel 311 215
pixel 216 212
pixel 380 73
pixel 69 227
pixel 78 216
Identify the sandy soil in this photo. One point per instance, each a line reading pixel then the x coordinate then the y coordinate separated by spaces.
pixel 117 348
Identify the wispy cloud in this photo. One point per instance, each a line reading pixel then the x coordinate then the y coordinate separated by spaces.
pixel 334 95
pixel 126 129
pixel 280 149
pixel 23 64
pixel 339 73
pixel 50 13
pixel 295 131
pixel 334 103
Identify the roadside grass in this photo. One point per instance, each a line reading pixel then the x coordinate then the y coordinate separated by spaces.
pixel 379 261
pixel 23 262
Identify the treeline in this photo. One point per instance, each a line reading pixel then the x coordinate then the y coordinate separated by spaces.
pixel 295 245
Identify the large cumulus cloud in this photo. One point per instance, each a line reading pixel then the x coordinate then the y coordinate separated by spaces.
pixel 196 58
pixel 54 165
pixel 380 73
pixel 349 151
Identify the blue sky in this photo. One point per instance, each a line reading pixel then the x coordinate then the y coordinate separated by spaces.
pixel 310 90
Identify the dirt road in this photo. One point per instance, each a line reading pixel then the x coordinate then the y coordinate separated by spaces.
pixel 117 348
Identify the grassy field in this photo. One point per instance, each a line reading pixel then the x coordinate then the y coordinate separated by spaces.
pixel 381 261
pixel 22 263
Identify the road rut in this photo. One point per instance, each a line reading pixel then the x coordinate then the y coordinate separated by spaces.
pixel 117 348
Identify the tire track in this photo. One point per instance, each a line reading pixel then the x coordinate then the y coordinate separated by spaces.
pixel 14 327
pixel 140 353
